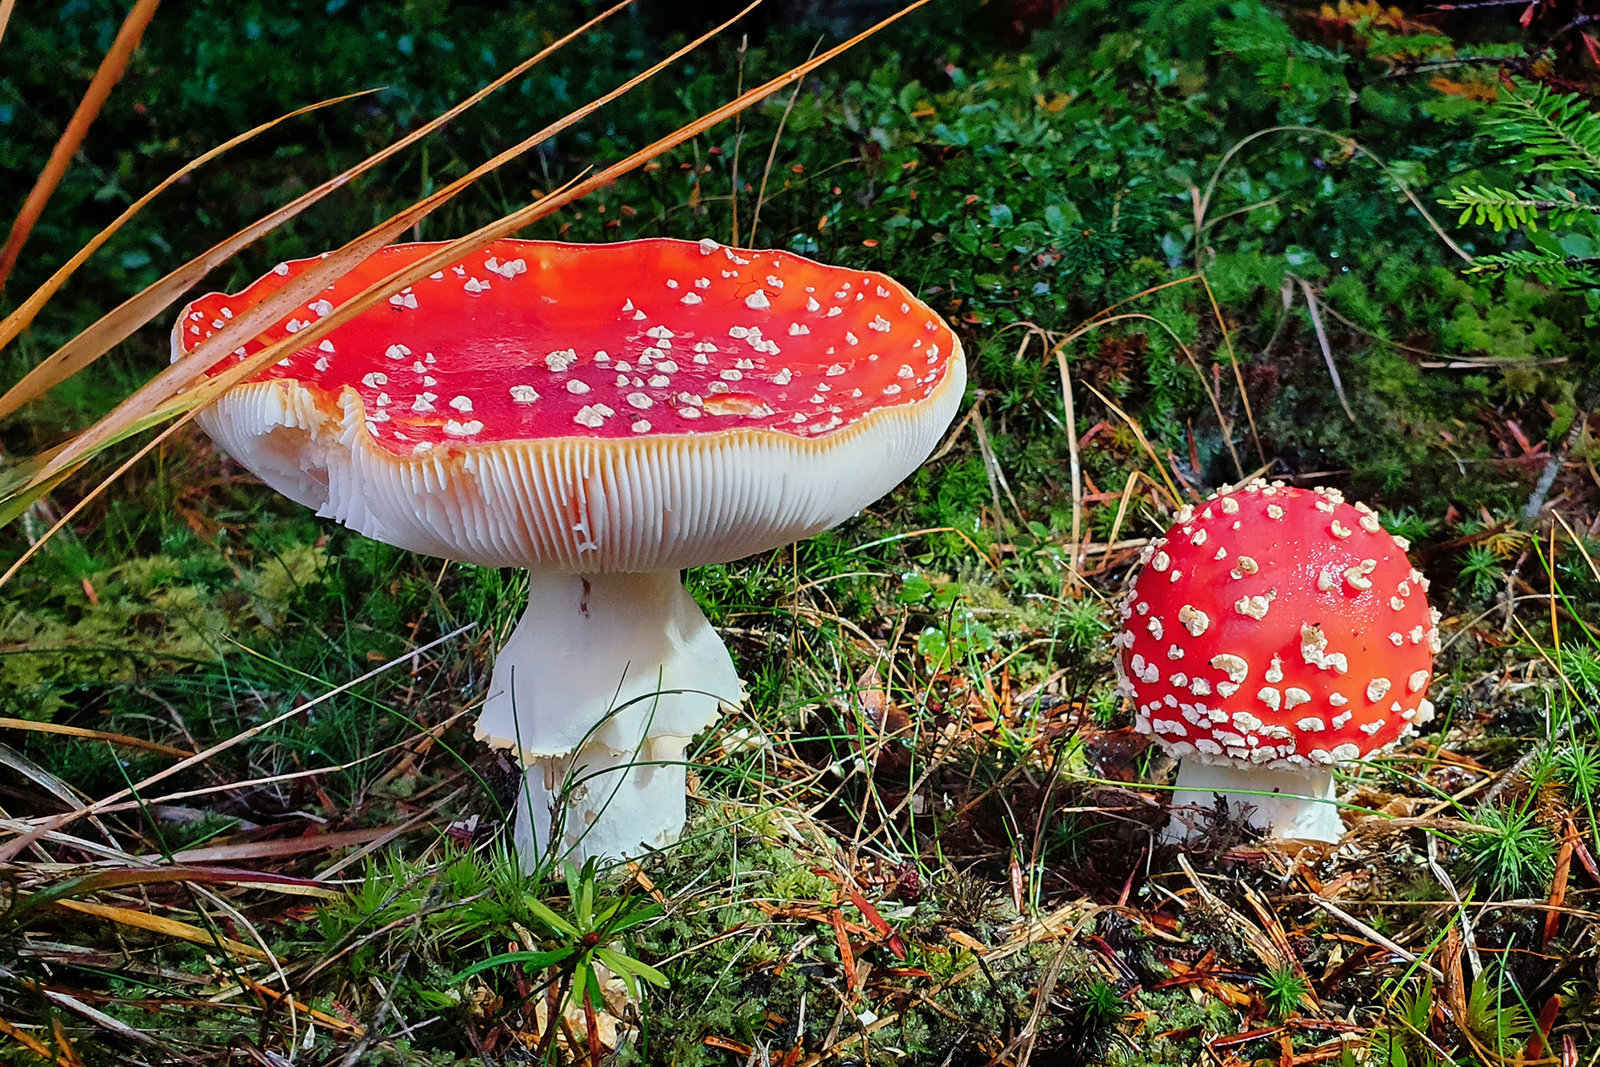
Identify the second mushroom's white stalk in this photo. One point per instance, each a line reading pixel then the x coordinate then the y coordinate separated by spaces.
pixel 597 691
pixel 1297 804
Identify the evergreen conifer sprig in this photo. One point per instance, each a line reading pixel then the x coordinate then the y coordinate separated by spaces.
pixel 1554 144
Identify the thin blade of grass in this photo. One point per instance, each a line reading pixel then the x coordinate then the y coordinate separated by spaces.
pixel 1104 316
pixel 126 877
pixel 330 1021
pixel 1138 431
pixel 279 847
pixel 1216 406
pixel 1323 343
pixel 118 324
pixel 55 168
pixel 1238 378
pixel 1074 468
pixel 176 382
pixel 22 317
pixel 114 1025
pixel 22 1037
pixel 24 767
pixel 56 822
pixel 772 155
pixel 100 735
pixel 5 15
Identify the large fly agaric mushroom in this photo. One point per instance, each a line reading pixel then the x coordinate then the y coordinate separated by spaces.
pixel 603 416
pixel 1270 636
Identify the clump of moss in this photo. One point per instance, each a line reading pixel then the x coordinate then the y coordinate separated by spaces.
pixel 749 944
pixel 148 615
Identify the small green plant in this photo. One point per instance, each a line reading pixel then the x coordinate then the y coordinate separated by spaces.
pixel 1481 573
pixel 582 938
pixel 1403 1039
pixel 1513 854
pixel 1081 625
pixel 1282 990
pixel 1496 1015
pixel 1092 1029
pixel 1578 768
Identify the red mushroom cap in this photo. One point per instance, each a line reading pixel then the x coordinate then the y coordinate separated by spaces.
pixel 531 340
pixel 1277 626
pixel 637 406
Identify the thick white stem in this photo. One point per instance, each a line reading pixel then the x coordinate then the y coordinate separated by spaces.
pixel 597 691
pixel 1296 805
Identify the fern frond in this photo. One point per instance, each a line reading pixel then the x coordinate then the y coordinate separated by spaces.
pixel 1514 208
pixel 1553 131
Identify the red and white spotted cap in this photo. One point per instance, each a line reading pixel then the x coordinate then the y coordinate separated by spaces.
pixel 1277 626
pixel 634 406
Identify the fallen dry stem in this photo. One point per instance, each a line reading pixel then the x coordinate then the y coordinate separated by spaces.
pixel 98 735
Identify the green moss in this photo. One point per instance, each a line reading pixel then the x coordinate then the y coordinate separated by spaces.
pixel 149 615
pixel 1177 1011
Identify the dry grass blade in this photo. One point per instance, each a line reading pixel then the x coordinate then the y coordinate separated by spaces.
pixel 5 15
pixel 1202 201
pixel 58 821
pixel 1095 324
pixel 279 847
pixel 1075 468
pixel 1322 342
pixel 124 877
pixel 276 779
pixel 27 769
pixel 331 1021
pixel 173 384
pixel 94 1015
pixel 157 924
pixel 1133 424
pixel 133 313
pixel 1238 378
pixel 22 1037
pixel 1210 390
pixel 772 155
pixel 105 79
pixel 100 735
pixel 173 390
pixel 37 381
pixel 15 497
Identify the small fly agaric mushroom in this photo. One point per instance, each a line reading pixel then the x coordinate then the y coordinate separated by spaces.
pixel 1271 635
pixel 603 416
